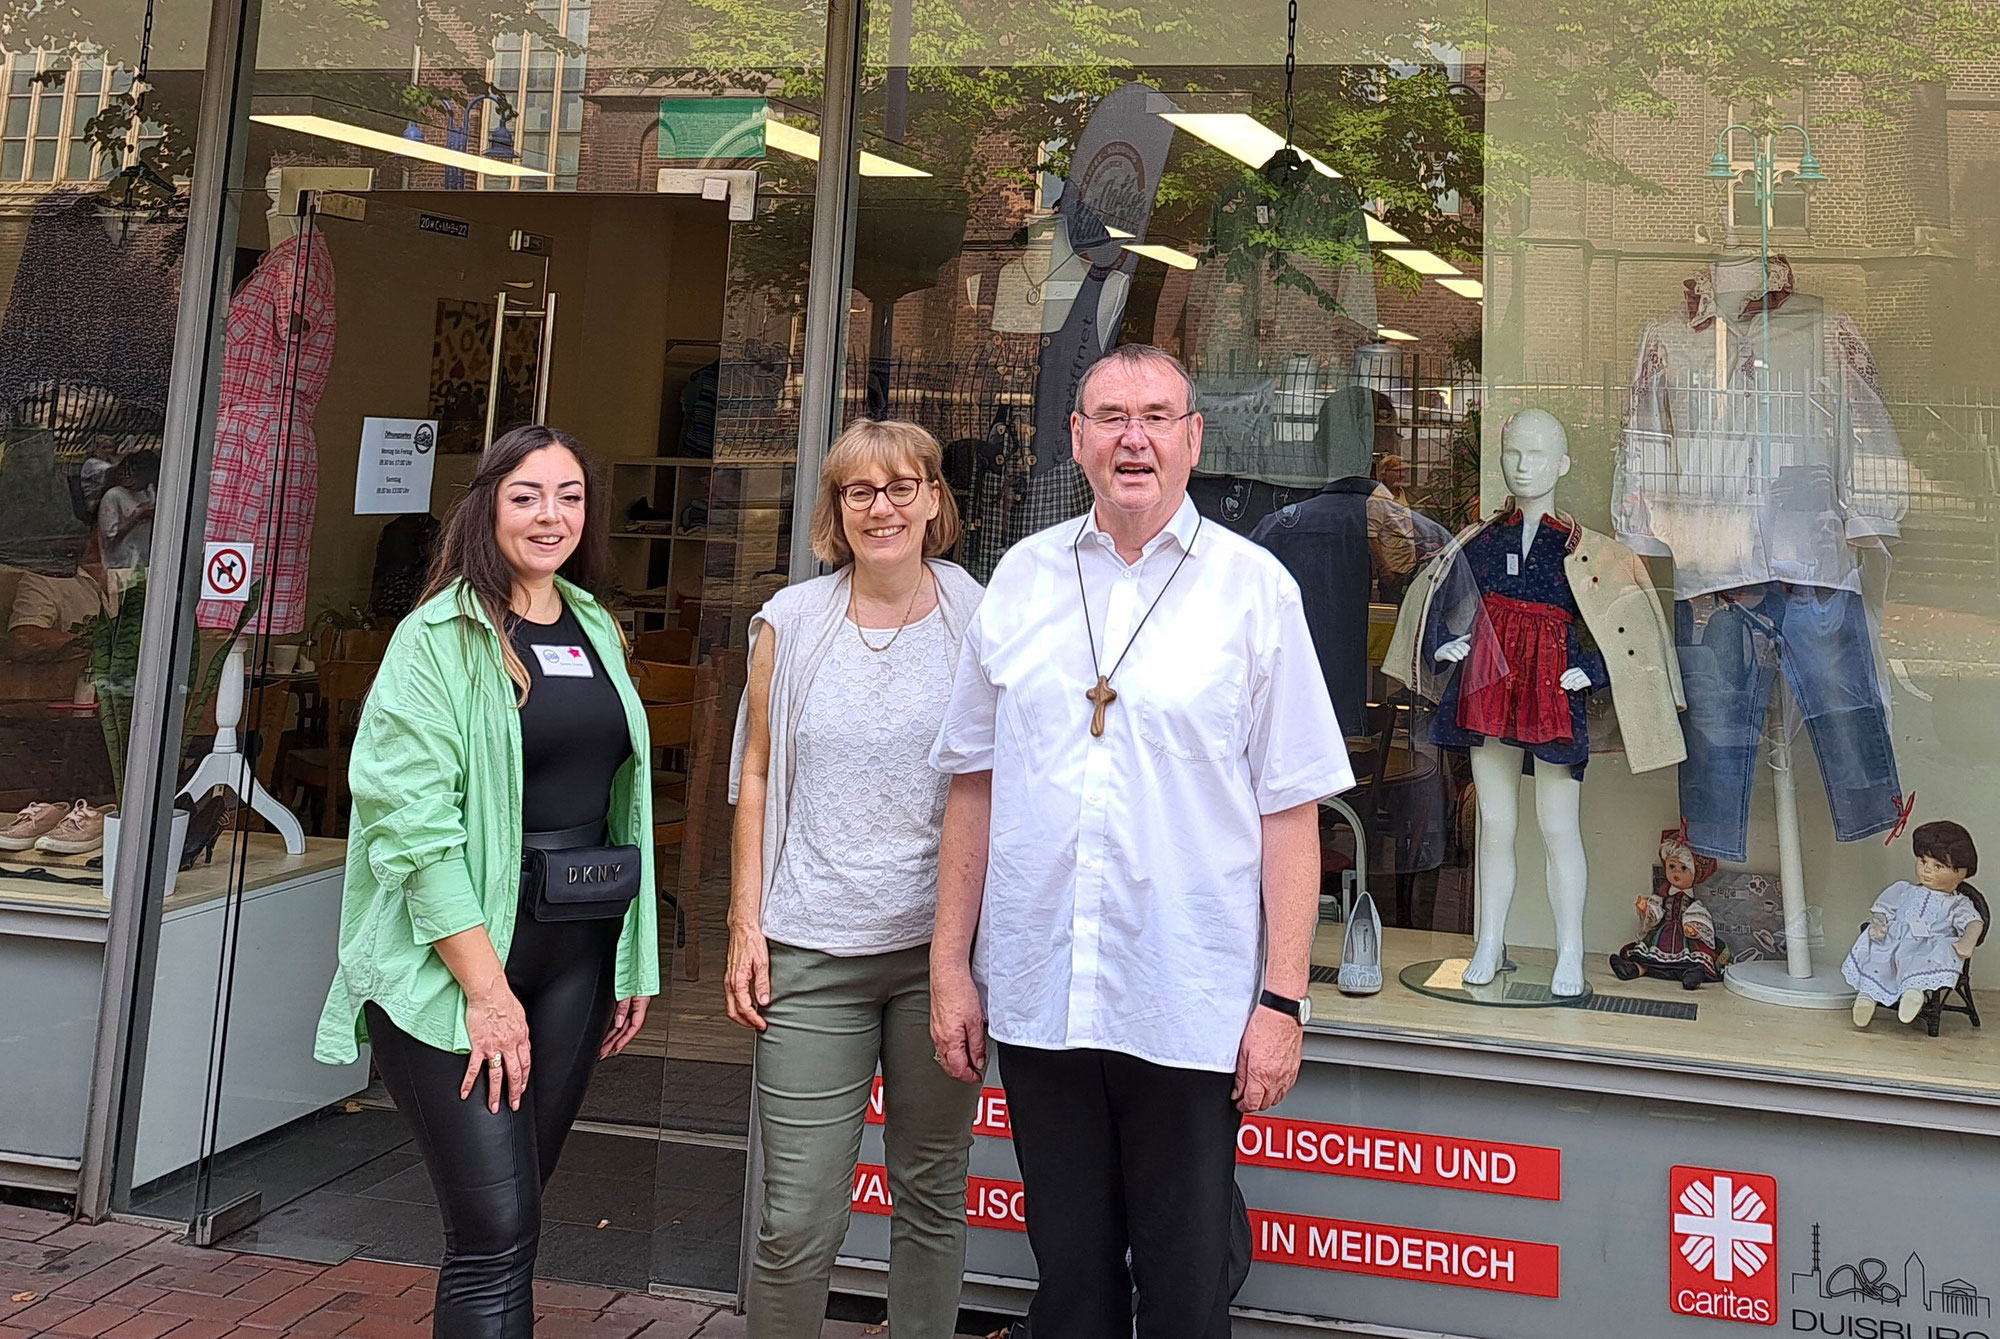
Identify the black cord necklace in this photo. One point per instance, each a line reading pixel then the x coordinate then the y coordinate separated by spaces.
pixel 1102 694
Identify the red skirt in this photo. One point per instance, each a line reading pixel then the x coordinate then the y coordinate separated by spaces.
pixel 1517 667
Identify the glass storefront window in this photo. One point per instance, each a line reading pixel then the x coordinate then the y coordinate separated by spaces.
pixel 1758 346
pixel 1745 277
pixel 89 281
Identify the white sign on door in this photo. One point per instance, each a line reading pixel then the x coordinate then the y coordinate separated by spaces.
pixel 397 456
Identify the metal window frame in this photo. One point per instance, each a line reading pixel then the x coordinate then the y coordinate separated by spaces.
pixel 829 280
pixel 830 270
pixel 167 631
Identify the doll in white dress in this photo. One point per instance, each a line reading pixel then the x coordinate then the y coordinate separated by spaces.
pixel 1919 935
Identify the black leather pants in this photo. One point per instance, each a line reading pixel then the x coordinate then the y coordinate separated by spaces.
pixel 489 1169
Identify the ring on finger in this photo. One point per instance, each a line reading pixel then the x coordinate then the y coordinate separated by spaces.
pixel 493 1060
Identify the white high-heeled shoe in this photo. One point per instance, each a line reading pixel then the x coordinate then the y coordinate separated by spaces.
pixel 1361 950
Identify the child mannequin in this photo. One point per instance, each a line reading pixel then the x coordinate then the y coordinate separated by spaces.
pixel 1920 934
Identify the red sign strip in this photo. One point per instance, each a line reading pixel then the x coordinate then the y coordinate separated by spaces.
pixel 989 1202
pixel 1414 1159
pixel 988 1118
pixel 1525 1170
pixel 1456 1259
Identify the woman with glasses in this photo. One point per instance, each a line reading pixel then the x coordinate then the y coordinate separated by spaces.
pixel 835 886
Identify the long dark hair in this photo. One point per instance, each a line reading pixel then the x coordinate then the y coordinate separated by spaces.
pixel 469 553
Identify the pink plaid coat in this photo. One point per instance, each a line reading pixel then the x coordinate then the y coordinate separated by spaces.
pixel 264 483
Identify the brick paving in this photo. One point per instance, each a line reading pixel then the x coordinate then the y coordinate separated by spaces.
pixel 123 1281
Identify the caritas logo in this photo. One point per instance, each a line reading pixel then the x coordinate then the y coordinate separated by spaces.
pixel 1724 1261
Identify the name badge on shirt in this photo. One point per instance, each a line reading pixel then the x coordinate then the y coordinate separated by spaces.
pixel 562 662
pixel 1513 564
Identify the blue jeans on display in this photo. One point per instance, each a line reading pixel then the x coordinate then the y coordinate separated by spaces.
pixel 1732 645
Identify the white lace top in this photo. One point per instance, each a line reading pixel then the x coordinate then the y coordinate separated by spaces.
pixel 858 873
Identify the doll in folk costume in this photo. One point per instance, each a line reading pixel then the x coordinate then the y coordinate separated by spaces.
pixel 1919 935
pixel 1677 936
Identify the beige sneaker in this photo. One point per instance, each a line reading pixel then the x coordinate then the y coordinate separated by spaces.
pixel 31 825
pixel 80 832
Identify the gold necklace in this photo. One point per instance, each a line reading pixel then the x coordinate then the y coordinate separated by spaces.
pixel 854 616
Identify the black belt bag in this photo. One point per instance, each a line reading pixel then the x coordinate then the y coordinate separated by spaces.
pixel 570 876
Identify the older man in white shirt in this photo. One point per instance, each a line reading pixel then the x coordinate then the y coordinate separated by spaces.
pixel 1139 735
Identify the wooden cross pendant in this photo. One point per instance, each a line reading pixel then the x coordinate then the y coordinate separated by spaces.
pixel 1100 697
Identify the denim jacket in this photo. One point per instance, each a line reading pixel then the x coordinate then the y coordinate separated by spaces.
pixel 434 846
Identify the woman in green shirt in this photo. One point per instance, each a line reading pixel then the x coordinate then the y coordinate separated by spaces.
pixel 502 722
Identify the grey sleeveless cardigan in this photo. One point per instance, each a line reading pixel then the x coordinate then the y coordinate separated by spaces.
pixel 806 618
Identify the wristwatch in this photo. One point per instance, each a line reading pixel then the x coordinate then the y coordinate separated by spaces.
pixel 1301 1009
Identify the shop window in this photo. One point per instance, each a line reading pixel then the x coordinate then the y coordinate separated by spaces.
pixel 1789 204
pixel 544 78
pixel 52 131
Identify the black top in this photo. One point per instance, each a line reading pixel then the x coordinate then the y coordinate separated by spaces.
pixel 573 733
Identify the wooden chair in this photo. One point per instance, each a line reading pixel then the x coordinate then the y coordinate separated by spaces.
pixel 710 770
pixel 1937 1002
pixel 323 769
pixel 676 697
pixel 666 646
pixel 357 644
pixel 270 711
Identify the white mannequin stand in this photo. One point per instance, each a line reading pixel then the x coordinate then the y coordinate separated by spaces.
pixel 1534 454
pixel 1795 982
pixel 225 764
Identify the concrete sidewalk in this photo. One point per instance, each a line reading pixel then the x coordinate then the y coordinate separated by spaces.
pixel 120 1281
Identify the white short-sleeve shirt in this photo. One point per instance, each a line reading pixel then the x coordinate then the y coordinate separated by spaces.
pixel 1123 908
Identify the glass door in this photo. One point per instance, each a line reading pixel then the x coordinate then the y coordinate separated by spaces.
pixel 585 241
pixel 353 397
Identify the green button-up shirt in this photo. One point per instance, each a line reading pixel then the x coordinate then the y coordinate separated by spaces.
pixel 434 845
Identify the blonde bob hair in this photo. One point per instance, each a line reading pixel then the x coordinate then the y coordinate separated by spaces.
pixel 901 448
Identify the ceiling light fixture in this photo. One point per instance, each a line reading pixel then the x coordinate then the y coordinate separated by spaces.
pixel 1240 135
pixel 1166 255
pixel 1423 262
pixel 1380 232
pixel 1465 288
pixel 791 139
pixel 325 127
pixel 1386 333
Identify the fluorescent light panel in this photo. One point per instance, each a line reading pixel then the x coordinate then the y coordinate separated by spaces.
pixel 1423 262
pixel 1465 288
pixel 791 139
pixel 1166 255
pixel 1386 333
pixel 1380 232
pixel 1240 135
pixel 382 142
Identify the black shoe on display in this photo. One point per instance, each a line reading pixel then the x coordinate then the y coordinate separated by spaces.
pixel 1623 967
pixel 1694 979
pixel 205 824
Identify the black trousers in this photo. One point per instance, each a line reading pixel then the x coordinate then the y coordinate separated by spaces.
pixel 487 1168
pixel 1120 1154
